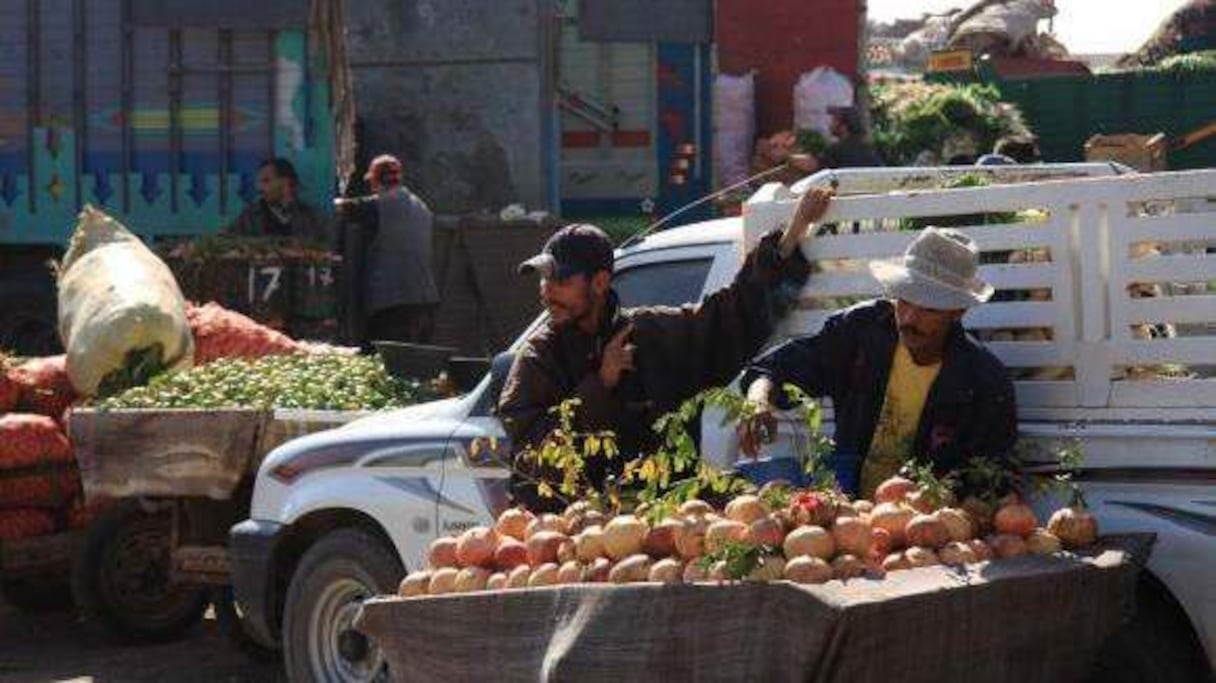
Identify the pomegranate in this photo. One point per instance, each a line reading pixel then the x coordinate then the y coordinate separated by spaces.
pixel 807 570
pixel 746 509
pixel 667 571
pixel 694 572
pixel 545 522
pixel 514 522
pixel 519 577
pixel 442 553
pixel 811 541
pixel 597 571
pixel 957 522
pixel 471 579
pixel 717 572
pixel 852 535
pixel 892 518
pixel 981 550
pixel 694 508
pixel 690 542
pixel 1042 542
pixel 624 536
pixel 475 547
pixel 632 569
pixel 661 538
pixel 1075 527
pixel 895 562
pixel 921 557
pixel 496 582
pixel 1015 518
pixel 720 533
pixel 443 580
pixel 980 512
pixel 543 546
pixel 570 572
pixel 927 531
pixel 880 541
pixel 544 575
pixel 1008 545
pixel 509 554
pixel 814 508
pixel 848 567
pixel 926 503
pixel 893 490
pixel 956 553
pixel 863 507
pixel 415 584
pixel 766 531
pixel 589 544
pixel 587 520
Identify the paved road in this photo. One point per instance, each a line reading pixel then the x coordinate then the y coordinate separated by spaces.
pixel 57 647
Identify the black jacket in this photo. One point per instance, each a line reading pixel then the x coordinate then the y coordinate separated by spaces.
pixel 678 352
pixel 970 410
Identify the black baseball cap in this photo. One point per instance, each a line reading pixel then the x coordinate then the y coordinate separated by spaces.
pixel 574 249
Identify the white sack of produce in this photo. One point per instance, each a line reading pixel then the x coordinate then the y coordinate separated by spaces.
pixel 816 92
pixel 122 317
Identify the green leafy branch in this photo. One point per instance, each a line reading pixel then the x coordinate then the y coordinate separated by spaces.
pixel 566 450
pixel 740 559
pixel 939 489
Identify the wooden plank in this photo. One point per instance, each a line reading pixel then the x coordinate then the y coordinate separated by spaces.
pixel 1171 268
pixel 1013 314
pixel 1163 393
pixel 1023 275
pixel 1053 394
pixel 1185 350
pixel 1168 309
pixel 165 452
pixel 1032 354
pixel 1179 227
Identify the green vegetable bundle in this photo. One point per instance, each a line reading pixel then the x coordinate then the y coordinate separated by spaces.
pixel 302 381
pixel 914 117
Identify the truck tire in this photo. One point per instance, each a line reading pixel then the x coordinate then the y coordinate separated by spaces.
pixel 121 578
pixel 339 572
pixel 1157 646
pixel 232 625
pixel 36 596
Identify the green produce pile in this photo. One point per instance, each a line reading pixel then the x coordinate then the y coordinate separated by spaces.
pixel 302 381
pixel 243 248
pixel 914 117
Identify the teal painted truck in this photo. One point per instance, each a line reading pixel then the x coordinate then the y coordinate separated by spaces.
pixel 160 112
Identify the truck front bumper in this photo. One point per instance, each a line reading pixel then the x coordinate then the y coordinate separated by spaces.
pixel 252 546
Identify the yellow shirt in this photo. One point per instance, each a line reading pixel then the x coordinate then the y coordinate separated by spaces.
pixel 894 435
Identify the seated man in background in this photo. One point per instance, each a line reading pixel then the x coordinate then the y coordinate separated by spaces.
pixel 278 211
pixel 906 381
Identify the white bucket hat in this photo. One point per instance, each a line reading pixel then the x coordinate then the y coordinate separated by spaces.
pixel 938 272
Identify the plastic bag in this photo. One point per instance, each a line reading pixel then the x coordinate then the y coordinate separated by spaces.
pixel 27 440
pixel 815 92
pixel 734 126
pixel 120 310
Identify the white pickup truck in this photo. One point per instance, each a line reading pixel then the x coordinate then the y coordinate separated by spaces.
pixel 339 516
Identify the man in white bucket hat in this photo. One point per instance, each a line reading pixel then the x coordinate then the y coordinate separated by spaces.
pixel 906 381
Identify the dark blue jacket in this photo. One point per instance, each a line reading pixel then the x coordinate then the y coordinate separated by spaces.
pixel 970 410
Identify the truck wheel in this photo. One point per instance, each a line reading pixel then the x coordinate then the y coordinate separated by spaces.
pixel 334 577
pixel 232 625
pixel 1157 646
pixel 37 596
pixel 121 578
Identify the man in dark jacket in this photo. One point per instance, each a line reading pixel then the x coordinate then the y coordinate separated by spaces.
pixel 630 366
pixel 279 211
pixel 850 150
pixel 906 381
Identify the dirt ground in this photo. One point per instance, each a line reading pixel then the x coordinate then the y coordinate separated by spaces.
pixel 57 647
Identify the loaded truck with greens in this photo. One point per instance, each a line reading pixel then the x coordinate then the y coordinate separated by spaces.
pixel 341 516
pixel 160 113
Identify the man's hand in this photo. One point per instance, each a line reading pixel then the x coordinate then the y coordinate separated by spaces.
pixel 618 358
pixel 761 427
pixel 811 208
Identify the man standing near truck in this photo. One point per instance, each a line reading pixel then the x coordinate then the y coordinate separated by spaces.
pixel 279 211
pixel 850 149
pixel 906 381
pixel 627 367
pixel 397 291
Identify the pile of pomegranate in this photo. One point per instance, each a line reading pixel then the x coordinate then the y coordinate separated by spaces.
pixel 806 537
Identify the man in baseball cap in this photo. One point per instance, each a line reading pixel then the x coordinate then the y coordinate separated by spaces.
pixel 906 381
pixel 629 366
